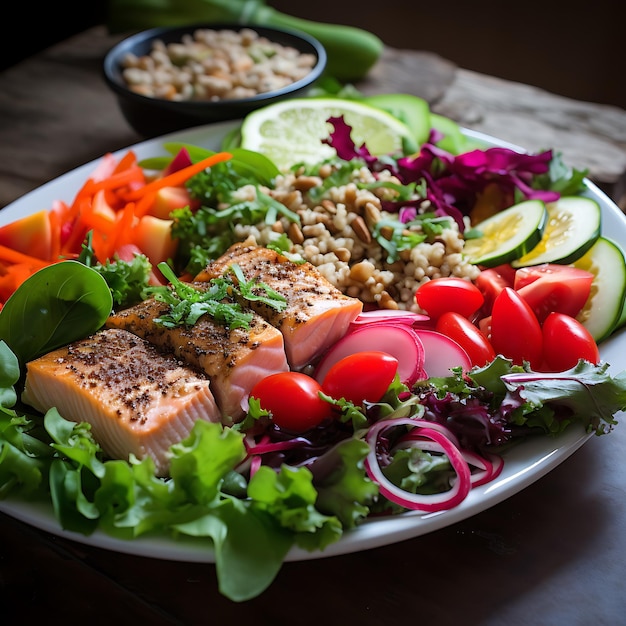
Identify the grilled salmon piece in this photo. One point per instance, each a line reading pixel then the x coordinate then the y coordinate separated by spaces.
pixel 317 313
pixel 136 399
pixel 234 359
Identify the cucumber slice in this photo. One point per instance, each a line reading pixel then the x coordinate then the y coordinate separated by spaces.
pixel 602 314
pixel 507 235
pixel 573 227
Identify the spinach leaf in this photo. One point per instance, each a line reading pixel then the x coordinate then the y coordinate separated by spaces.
pixel 55 306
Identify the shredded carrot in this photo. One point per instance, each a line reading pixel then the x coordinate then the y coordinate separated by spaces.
pixel 123 230
pixel 93 221
pixel 55 234
pixel 179 177
pixel 8 255
pixel 110 203
pixel 100 245
pixel 145 204
pixel 12 277
pixel 120 179
pixel 72 245
pixel 128 160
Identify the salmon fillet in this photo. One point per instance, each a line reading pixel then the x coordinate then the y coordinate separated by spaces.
pixel 136 399
pixel 234 359
pixel 317 313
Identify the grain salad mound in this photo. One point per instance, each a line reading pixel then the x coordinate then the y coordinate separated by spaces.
pixel 338 233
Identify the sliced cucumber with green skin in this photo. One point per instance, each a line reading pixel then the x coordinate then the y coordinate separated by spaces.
pixel 602 314
pixel 574 224
pixel 507 235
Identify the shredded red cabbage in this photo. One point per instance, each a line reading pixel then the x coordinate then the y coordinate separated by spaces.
pixel 452 182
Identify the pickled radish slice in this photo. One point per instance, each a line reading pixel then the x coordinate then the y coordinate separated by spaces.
pixel 399 340
pixel 441 354
pixel 386 315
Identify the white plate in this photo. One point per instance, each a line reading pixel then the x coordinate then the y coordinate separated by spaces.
pixel 523 465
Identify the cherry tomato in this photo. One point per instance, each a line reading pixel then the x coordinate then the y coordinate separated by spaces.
pixel 492 281
pixel 449 293
pixel 515 331
pixel 468 336
pixel 565 341
pixel 362 376
pixel 551 287
pixel 293 400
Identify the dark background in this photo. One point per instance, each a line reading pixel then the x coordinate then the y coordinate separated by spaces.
pixel 573 48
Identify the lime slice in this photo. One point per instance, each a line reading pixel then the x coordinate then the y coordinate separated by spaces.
pixel 507 235
pixel 292 131
pixel 573 227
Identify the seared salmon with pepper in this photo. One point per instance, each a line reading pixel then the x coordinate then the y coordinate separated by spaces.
pixel 317 313
pixel 233 358
pixel 136 399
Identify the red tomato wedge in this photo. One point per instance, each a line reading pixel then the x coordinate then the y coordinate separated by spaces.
pixel 492 281
pixel 551 287
pixel 565 341
pixel 515 332
pixel 449 293
pixel 468 336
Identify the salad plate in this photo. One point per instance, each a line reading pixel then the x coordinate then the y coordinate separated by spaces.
pixel 523 464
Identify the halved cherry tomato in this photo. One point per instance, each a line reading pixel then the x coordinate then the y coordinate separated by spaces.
pixel 449 293
pixel 565 341
pixel 550 287
pixel 293 400
pixel 515 331
pixel 468 336
pixel 362 376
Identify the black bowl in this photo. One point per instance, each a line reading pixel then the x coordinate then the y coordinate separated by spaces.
pixel 151 116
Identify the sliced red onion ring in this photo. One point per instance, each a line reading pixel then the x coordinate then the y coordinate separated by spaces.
pixel 444 430
pixel 418 502
pixel 484 468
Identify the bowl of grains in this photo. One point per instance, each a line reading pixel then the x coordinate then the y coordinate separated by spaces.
pixel 167 79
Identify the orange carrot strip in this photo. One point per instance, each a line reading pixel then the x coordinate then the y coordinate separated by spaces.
pixel 122 232
pixel 73 244
pixel 12 278
pixel 55 234
pixel 177 178
pixel 120 179
pixel 8 255
pixel 130 158
pixel 85 192
pixel 100 246
pixel 94 221
pixel 145 204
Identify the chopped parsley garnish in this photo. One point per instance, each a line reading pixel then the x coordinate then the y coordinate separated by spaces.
pixel 395 236
pixel 221 299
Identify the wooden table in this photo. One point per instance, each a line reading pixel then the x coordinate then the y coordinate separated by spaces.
pixel 555 553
